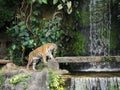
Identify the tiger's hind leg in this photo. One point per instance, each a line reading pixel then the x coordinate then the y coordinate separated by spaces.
pixel 34 64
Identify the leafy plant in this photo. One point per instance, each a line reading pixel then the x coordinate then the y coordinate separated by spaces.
pixel 25 85
pixel 64 4
pixel 21 39
pixel 51 32
pixel 19 78
pixel 7 12
pixel 56 82
pixel 79 45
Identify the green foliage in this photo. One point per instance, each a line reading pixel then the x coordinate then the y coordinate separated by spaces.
pixel 22 40
pixel 67 5
pixel 77 46
pixel 107 59
pixel 19 78
pixel 55 1
pixel 25 86
pixel 112 85
pixel 82 15
pixel 56 82
pixel 6 11
pixel 42 1
pixel 50 32
pixel 1 79
pixel 30 30
pixel 113 40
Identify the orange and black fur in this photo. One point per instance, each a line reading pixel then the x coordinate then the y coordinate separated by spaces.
pixel 41 53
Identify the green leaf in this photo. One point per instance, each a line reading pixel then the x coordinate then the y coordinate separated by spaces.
pixel 18 16
pixel 44 1
pixel 16 29
pixel 21 23
pixel 69 4
pixel 59 6
pixel 31 41
pixel 33 0
pixel 35 12
pixel 14 47
pixel 23 27
pixel 55 2
pixel 25 43
pixel 28 1
pixel 69 11
pixel 40 1
pixel 63 1
pixel 23 34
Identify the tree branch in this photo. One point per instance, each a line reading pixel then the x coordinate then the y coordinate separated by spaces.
pixel 28 20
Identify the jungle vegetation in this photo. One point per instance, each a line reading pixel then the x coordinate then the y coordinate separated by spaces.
pixel 31 23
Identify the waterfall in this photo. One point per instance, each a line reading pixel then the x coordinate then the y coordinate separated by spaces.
pixel 97 83
pixel 100 25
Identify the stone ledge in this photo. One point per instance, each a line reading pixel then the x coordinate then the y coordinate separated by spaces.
pixel 87 59
pixel 90 63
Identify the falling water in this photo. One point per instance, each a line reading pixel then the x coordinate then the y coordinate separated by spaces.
pixel 98 83
pixel 100 20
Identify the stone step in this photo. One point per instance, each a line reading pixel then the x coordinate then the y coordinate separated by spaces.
pixel 88 59
pixel 90 64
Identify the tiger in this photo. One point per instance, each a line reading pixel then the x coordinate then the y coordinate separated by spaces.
pixel 41 53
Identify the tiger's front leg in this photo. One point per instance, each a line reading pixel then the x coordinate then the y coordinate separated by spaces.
pixel 44 59
pixel 49 54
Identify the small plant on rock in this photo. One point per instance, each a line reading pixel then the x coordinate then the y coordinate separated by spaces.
pixel 18 78
pixel 56 82
pixel 1 79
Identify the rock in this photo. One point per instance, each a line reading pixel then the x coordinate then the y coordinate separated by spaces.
pixel 37 81
pixel 61 72
pixel 53 64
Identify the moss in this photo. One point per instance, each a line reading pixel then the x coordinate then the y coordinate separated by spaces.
pixel 78 44
pixel 82 14
pixel 107 59
pixel 18 78
pixel 85 17
pixel 113 40
pixel 1 80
